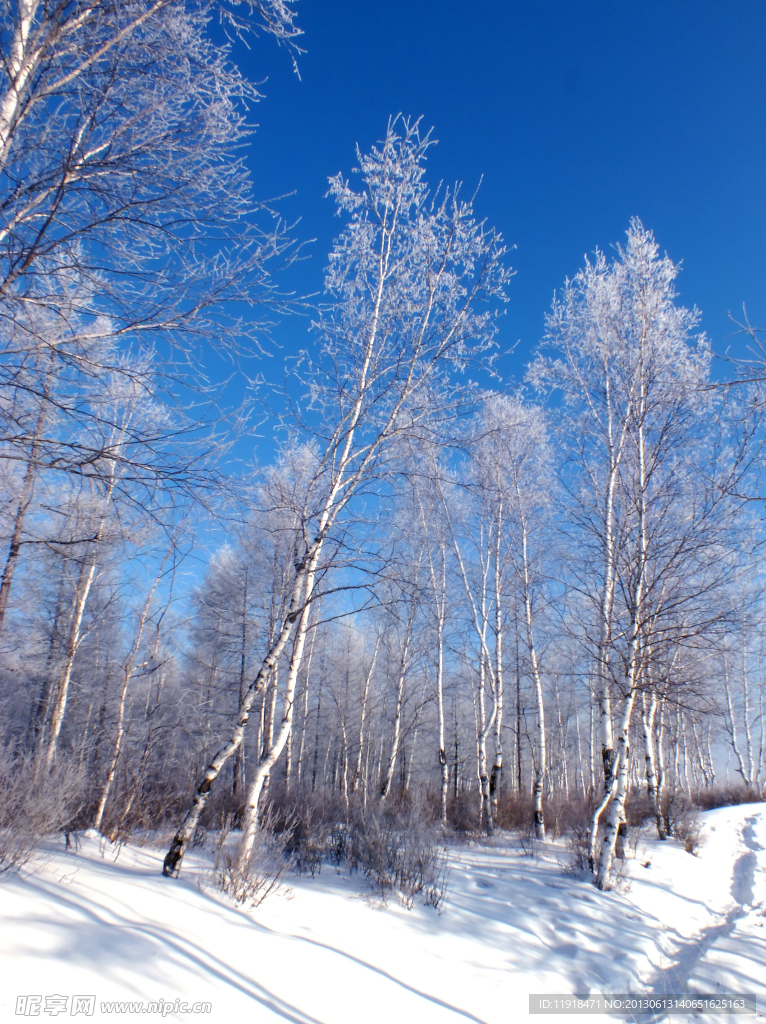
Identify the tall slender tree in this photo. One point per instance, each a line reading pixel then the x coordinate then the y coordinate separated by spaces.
pixel 408 276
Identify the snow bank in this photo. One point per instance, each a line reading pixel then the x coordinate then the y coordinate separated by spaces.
pixel 102 922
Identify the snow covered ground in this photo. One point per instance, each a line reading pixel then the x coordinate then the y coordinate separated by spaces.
pixel 102 922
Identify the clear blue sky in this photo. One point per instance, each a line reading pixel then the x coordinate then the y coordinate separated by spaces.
pixel 579 115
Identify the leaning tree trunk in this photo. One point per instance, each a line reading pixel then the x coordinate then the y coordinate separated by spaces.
pixel 271 756
pixel 188 827
pixel 84 584
pixel 349 468
pixel 98 817
pixel 240 769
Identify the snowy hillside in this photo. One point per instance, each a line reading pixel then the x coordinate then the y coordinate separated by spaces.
pixel 103 922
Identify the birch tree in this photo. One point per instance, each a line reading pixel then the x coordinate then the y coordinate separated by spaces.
pixel 633 376
pixel 407 275
pixel 118 129
pixel 473 527
pixel 126 216
pixel 427 501
pixel 515 471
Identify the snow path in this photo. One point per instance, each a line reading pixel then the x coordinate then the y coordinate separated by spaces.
pixel 729 955
pixel 103 921
pixel 742 885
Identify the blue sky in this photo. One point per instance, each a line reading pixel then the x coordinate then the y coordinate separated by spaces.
pixel 578 116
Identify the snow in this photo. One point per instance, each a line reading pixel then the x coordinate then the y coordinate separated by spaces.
pixel 103 921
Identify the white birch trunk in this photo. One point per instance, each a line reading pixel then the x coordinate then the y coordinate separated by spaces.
pixel 733 734
pixel 652 788
pixel 357 775
pixel 25 500
pixel 620 789
pixel 21 66
pixel 497 765
pixel 385 788
pixel 617 809
pixel 482 761
pixel 82 592
pixel 541 755
pixel 128 667
pixel 271 756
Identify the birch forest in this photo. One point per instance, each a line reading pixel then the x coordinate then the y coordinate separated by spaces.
pixel 392 585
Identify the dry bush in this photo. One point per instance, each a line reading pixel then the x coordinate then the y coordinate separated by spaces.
pixel 143 802
pixel 307 825
pixel 224 808
pixel 260 877
pixel 400 856
pixel 679 818
pixel 515 811
pixel 620 878
pixel 638 807
pixel 578 849
pixel 463 812
pixel 527 841
pixel 34 803
pixel 686 827
pixel 565 817
pixel 690 834
pixel 730 796
pixel 396 849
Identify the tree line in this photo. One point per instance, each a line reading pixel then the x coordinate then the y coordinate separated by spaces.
pixel 509 600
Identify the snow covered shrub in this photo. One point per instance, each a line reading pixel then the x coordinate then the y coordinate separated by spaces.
pixel 34 803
